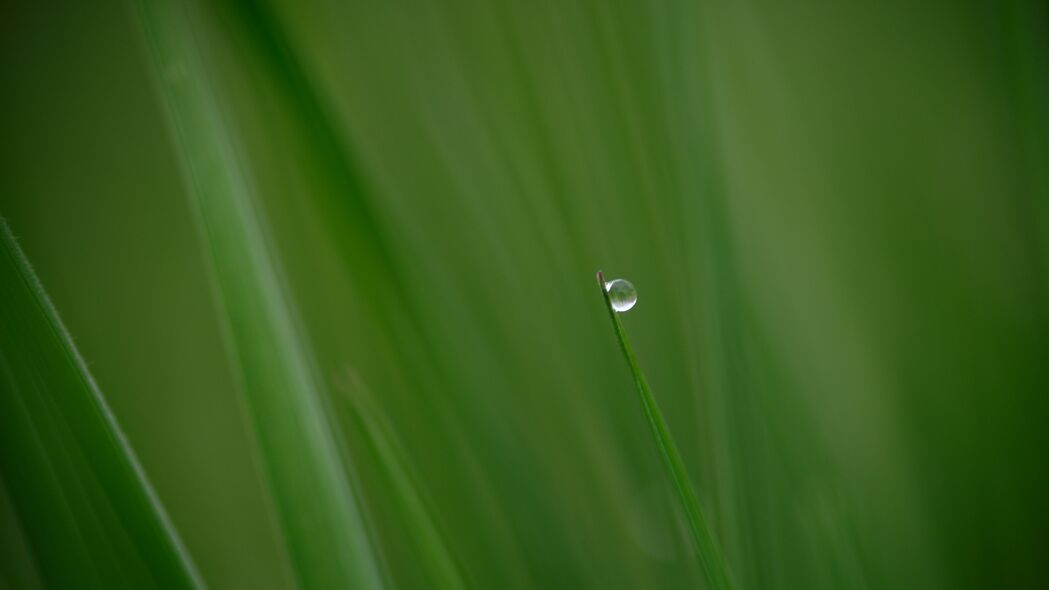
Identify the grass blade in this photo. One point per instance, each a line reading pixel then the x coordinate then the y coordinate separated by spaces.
pixel 88 512
pixel 439 565
pixel 707 549
pixel 316 505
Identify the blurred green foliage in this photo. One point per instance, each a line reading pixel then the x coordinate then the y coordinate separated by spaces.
pixel 836 215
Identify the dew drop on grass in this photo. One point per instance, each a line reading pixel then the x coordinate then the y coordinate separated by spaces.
pixel 622 294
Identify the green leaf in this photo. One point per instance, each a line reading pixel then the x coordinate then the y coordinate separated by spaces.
pixel 441 568
pixel 706 546
pixel 84 504
pixel 317 508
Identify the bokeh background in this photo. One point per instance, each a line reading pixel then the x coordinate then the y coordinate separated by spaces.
pixel 836 215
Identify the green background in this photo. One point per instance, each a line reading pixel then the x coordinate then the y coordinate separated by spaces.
pixel 836 215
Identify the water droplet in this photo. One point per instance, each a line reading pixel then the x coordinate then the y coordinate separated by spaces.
pixel 622 294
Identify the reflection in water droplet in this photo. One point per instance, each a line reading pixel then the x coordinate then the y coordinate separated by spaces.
pixel 622 294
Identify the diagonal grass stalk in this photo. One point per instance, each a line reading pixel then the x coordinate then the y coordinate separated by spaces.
pixel 435 558
pixel 706 546
pixel 89 514
pixel 318 508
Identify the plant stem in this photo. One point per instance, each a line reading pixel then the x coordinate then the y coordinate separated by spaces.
pixel 706 546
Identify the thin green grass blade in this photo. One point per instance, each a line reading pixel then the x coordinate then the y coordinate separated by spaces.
pixel 441 568
pixel 324 531
pixel 707 549
pixel 88 513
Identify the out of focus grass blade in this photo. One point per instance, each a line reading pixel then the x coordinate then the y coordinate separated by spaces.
pixel 707 549
pixel 317 507
pixel 90 517
pixel 441 569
